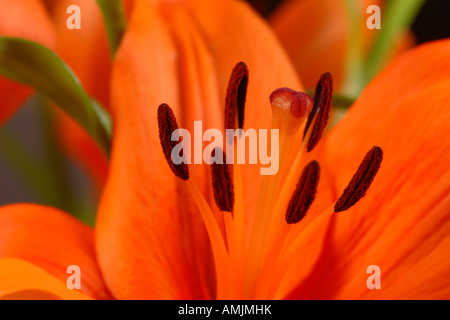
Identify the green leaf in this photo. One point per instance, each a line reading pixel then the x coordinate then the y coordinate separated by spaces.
pixel 115 21
pixel 35 65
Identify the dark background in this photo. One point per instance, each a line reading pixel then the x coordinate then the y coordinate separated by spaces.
pixel 433 21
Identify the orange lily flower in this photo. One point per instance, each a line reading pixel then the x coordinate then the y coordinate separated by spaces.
pixel 150 237
pixel 38 28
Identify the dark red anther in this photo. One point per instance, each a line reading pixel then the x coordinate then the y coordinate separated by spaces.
pixel 222 181
pixel 323 97
pixel 361 181
pixel 236 95
pixel 304 193
pixel 167 124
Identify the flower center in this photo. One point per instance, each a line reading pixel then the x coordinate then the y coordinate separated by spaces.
pixel 245 264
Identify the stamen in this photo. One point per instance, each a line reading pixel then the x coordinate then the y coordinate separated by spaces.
pixel 235 224
pixel 361 181
pixel 222 183
pixel 304 193
pixel 216 239
pixel 167 124
pixel 322 106
pixel 236 95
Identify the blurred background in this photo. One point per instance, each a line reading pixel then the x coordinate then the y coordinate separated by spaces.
pixel 33 168
pixel 433 21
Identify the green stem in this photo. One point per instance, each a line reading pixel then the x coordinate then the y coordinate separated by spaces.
pixel 54 162
pixel 46 175
pixel 354 81
pixel 68 197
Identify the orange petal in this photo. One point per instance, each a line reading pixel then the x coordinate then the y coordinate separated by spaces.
pixel 85 50
pixel 402 224
pixel 415 71
pixel 52 241
pixel 20 280
pixel 23 19
pixel 179 53
pixel 140 225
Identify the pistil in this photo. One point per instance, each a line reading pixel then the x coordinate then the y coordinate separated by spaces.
pixel 289 111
